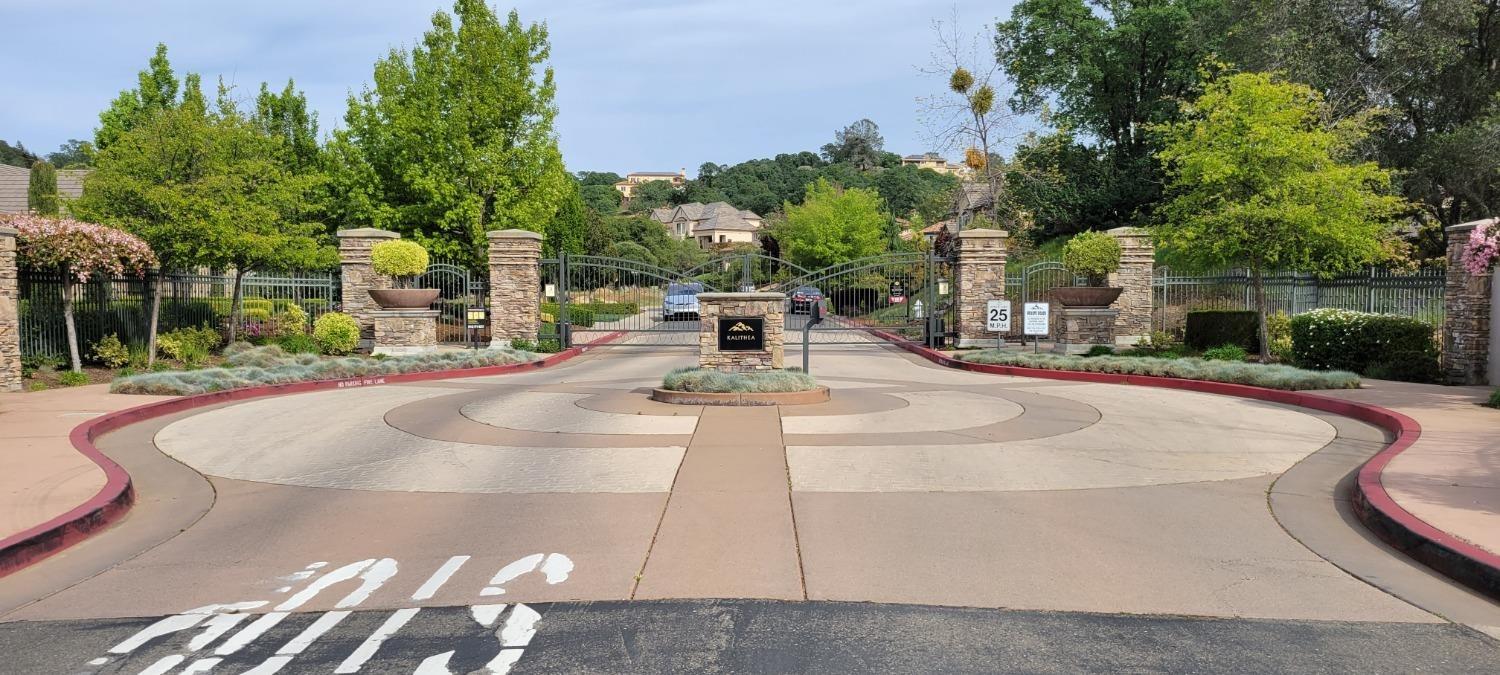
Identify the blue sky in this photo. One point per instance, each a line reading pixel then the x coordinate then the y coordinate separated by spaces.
pixel 643 85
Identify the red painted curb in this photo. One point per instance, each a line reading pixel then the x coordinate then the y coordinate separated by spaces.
pixel 1464 562
pixel 33 544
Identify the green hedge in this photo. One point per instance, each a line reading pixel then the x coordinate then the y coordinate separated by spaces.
pixel 580 316
pixel 1207 329
pixel 620 308
pixel 1382 346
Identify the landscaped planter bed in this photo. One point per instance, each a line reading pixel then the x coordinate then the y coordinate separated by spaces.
pixel 700 386
pixel 1270 376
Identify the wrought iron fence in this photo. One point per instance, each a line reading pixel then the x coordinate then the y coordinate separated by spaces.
pixel 122 305
pixel 1416 294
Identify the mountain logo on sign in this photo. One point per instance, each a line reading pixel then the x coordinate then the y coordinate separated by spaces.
pixel 740 327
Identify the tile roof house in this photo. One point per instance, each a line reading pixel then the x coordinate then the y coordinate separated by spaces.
pixel 936 162
pixel 15 180
pixel 714 223
pixel 970 199
pixel 635 179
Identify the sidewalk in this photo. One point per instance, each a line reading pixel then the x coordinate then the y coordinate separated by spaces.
pixel 1450 478
pixel 42 475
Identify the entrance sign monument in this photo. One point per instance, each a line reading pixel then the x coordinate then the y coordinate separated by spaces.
pixel 740 332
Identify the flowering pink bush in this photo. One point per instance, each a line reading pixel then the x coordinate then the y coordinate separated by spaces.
pixel 1483 248
pixel 81 249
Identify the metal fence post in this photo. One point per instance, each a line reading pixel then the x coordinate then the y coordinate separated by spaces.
pixel 564 325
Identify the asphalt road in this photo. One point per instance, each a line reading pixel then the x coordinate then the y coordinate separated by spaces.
pixel 750 636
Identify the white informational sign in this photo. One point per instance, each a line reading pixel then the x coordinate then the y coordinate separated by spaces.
pixel 916 309
pixel 997 316
pixel 1035 320
pixel 550 290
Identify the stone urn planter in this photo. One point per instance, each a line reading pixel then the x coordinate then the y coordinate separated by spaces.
pixel 1086 296
pixel 404 298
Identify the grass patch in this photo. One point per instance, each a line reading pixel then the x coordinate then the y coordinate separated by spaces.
pixel 1260 375
pixel 706 381
pixel 247 366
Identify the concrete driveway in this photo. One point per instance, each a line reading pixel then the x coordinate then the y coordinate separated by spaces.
pixel 915 485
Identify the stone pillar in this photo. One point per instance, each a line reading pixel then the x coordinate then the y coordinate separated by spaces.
pixel 979 278
pixel 357 277
pixel 515 286
pixel 404 331
pixel 10 313
pixel 1468 304
pixel 769 307
pixel 1080 328
pixel 1137 263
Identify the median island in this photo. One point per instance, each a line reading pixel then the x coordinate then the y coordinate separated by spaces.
pixel 706 386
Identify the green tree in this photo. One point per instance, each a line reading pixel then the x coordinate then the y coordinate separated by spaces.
pixel 16 155
pixel 565 231
pixel 1257 178
pixel 650 195
pixel 859 144
pixel 41 192
pixel 285 115
pixel 833 224
pixel 597 178
pixel 907 188
pixel 1109 70
pixel 456 137
pixel 74 154
pixel 602 198
pixel 156 90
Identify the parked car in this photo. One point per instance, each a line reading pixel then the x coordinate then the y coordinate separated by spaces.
pixel 681 301
pixel 803 299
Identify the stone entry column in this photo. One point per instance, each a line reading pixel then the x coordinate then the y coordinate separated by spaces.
pixel 515 286
pixel 1468 303
pixel 404 331
pixel 769 307
pixel 979 277
pixel 1137 263
pixel 10 313
pixel 1080 328
pixel 357 277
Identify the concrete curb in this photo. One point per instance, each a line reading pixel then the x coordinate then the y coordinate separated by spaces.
pixel 1458 559
pixel 31 545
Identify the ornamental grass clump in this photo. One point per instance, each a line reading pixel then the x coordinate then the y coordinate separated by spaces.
pixel 708 381
pixel 1255 374
pixel 248 366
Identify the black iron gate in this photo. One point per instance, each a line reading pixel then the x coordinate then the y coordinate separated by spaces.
pixel 906 296
pixel 459 289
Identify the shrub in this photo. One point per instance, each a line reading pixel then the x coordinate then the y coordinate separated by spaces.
pixel 1100 350
pixel 36 385
pixel 1225 353
pixel 299 343
pixel 523 345
pixel 257 315
pixel 336 333
pixel 248 305
pixel 1093 255
pixel 400 258
pixel 1211 328
pixel 712 381
pixel 548 347
pixel 189 345
pixel 111 352
pixel 292 320
pixel 580 316
pixel 248 366
pixel 1257 374
pixel 1378 345
pixel 1494 401
pixel 1279 330
pixel 619 308
pixel 72 379
pixel 313 305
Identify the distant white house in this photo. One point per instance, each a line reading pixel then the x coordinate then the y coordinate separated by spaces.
pixel 638 178
pixel 710 224
pixel 936 162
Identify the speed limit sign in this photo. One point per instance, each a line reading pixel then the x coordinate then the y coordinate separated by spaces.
pixel 997 316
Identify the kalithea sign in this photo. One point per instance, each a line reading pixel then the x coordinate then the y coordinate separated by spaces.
pixel 739 334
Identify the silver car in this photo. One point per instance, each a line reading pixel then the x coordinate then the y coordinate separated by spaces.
pixel 681 301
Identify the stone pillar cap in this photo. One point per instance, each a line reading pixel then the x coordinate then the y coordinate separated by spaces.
pixel 366 233
pixel 7 231
pixel 1465 227
pixel 983 234
pixel 1127 231
pixel 513 234
pixel 741 296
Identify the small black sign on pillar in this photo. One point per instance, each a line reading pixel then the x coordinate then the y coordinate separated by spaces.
pixel 742 334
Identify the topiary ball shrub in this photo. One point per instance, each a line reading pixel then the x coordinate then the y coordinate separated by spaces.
pixel 1382 346
pixel 1207 329
pixel 399 258
pixel 1225 353
pixel 1093 255
pixel 336 333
